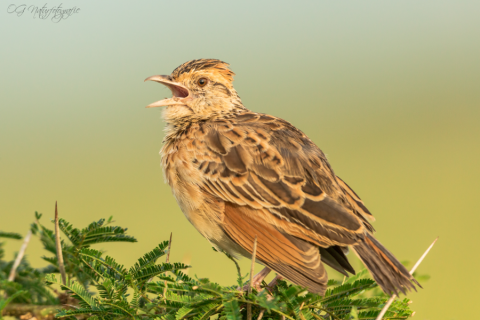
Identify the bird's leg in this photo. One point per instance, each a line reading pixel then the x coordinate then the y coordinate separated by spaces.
pixel 273 283
pixel 257 279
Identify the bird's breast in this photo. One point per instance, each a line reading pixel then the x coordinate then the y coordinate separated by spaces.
pixel 204 211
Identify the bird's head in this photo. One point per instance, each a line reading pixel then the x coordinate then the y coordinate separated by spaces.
pixel 200 88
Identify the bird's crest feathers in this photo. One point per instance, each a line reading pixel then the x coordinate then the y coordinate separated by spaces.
pixel 213 65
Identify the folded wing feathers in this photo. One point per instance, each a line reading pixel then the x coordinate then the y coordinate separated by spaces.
pixel 263 168
pixel 295 259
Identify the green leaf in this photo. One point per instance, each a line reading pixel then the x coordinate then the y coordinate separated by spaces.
pixel 207 311
pixel 76 290
pixel 149 272
pixel 151 257
pixel 106 234
pixel 232 310
pixel 347 289
pixel 106 289
pixel 353 314
pixel 95 257
pixel 10 235
pixel 4 303
pixel 182 312
pixel 73 234
pixel 359 275
pixel 47 237
pixel 51 260
pixel 38 216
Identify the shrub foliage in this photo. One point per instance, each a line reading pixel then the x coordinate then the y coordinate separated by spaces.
pixel 98 287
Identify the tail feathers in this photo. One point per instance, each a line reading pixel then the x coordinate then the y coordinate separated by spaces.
pixel 336 259
pixel 387 271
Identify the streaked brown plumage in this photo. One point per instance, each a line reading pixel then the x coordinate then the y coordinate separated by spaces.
pixel 237 174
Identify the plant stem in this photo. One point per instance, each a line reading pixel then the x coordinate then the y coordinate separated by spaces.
pixel 167 260
pixel 249 307
pixel 392 298
pixel 260 315
pixel 21 253
pixel 58 245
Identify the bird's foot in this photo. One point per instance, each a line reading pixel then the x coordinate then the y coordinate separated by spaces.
pixel 257 280
pixel 273 283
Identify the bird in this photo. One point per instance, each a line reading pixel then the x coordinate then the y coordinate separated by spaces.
pixel 241 176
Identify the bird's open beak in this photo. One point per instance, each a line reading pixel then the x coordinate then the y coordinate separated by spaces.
pixel 179 92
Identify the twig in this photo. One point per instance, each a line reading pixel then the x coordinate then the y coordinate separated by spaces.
pixel 392 298
pixel 40 312
pixel 249 307
pixel 422 257
pixel 252 267
pixel 260 315
pixel 168 258
pixel 20 255
pixel 239 272
pixel 58 245
pixel 169 247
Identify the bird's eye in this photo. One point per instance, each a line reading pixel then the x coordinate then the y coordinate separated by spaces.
pixel 202 82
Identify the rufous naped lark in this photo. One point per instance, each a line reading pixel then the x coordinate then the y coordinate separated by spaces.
pixel 238 174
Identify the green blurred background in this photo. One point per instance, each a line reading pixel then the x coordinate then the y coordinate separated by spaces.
pixel 390 90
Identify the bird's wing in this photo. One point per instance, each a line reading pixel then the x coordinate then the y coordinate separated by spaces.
pixel 279 178
pixel 356 202
pixel 262 162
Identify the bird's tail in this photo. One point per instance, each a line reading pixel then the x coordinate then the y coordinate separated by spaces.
pixel 387 271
